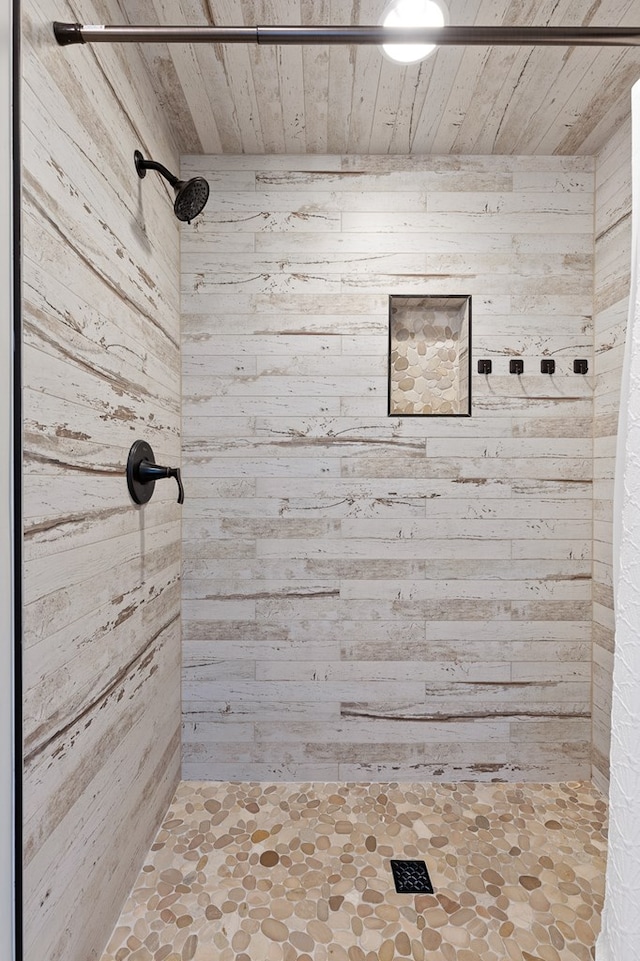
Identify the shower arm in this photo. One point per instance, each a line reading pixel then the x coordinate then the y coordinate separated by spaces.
pixel 143 165
pixel 71 33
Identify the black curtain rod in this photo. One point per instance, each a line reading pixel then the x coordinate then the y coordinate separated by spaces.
pixel 67 33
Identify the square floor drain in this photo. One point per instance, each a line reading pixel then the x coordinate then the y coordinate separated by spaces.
pixel 411 877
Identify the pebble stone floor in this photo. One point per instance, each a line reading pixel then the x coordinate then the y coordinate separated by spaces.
pixel 300 872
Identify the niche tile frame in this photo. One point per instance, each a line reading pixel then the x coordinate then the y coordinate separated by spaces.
pixel 394 409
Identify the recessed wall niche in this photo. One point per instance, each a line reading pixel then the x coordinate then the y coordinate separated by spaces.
pixel 429 356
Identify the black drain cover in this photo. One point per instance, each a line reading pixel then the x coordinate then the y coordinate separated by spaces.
pixel 411 877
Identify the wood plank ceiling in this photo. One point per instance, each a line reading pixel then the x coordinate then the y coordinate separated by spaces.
pixel 344 99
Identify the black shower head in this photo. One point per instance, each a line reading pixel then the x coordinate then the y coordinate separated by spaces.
pixel 191 195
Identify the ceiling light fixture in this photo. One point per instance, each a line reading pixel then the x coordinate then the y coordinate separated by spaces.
pixel 410 14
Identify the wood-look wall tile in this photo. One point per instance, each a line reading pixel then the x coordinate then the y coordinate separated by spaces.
pixel 101 658
pixel 371 560
pixel 612 260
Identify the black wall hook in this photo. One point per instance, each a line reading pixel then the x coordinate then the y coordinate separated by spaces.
pixel 143 472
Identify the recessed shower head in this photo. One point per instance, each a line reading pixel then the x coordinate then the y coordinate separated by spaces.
pixel 191 195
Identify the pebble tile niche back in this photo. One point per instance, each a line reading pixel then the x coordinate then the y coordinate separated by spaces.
pixel 429 355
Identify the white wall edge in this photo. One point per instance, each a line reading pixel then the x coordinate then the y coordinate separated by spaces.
pixel 7 934
pixel 621 916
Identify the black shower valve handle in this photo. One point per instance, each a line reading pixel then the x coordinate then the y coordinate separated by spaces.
pixel 148 471
pixel 143 472
pixel 175 472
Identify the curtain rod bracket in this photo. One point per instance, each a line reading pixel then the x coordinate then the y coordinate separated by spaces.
pixel 66 33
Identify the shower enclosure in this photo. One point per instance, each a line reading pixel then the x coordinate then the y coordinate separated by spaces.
pixel 352 584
